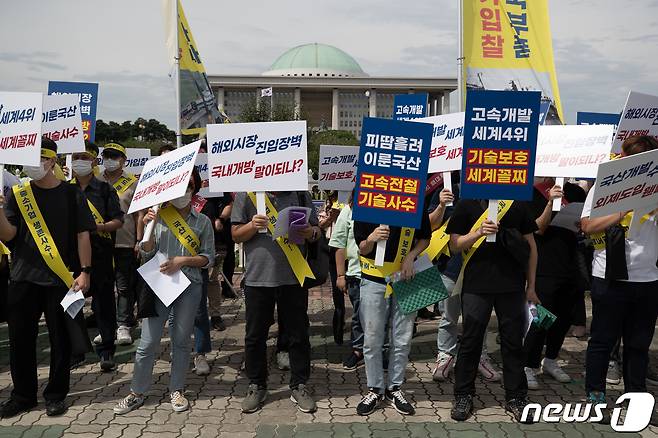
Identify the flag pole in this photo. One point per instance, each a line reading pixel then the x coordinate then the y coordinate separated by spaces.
pixel 179 138
pixel 460 58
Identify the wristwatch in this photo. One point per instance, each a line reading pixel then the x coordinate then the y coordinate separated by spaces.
pixel 86 269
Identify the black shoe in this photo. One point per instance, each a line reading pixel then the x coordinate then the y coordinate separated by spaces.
pixel 400 403
pixel 353 361
pixel 11 408
pixel 369 403
pixel 462 407
pixel 77 361
pixel 55 408
pixel 107 363
pixel 217 323
pixel 227 292
pixel 426 314
pixel 515 407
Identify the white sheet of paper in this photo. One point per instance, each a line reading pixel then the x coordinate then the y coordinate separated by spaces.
pixel 568 216
pixel 73 302
pixel 423 263
pixel 166 287
pixel 529 320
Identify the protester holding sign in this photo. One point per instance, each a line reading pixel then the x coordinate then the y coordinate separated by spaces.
pixel 272 277
pixel 496 275
pixel 624 284
pixel 10 180
pixel 556 280
pixel 125 246
pixel 186 239
pixel 47 224
pixel 104 206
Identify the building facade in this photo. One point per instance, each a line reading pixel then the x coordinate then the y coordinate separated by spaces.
pixel 328 87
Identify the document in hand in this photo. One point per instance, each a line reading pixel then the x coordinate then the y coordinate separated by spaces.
pixel 166 287
pixel 290 222
pixel 569 217
pixel 425 289
pixel 73 302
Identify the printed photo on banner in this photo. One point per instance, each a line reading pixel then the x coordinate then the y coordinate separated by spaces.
pixel 337 167
pixel 61 122
pixel 626 184
pixel 202 167
pixel 572 151
pixel 500 140
pixel 447 142
pixel 20 128
pixel 258 157
pixel 508 46
pixel 392 172
pixel 587 118
pixel 88 100
pixel 639 117
pixel 165 177
pixel 136 159
pixel 410 106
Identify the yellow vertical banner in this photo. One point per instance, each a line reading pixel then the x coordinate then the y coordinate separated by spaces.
pixel 508 46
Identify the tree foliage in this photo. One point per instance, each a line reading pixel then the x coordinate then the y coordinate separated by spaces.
pixel 315 139
pixel 144 130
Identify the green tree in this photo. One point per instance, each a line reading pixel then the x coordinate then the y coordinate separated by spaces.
pixel 338 137
pixel 261 110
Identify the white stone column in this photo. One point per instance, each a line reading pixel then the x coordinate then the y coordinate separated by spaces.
pixel 372 100
pixel 335 123
pixel 298 101
pixel 220 98
pixel 446 103
pixel 258 97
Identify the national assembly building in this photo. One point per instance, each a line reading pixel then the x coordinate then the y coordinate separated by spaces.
pixel 330 88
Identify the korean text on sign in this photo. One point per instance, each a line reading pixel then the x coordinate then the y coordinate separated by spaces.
pixel 410 106
pixel 492 21
pixel 88 99
pixel 447 142
pixel 639 117
pixel 392 172
pixel 20 128
pixel 500 139
pixel 337 170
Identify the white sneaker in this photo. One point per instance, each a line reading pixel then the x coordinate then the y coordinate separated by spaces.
pixel 123 336
pixel 445 363
pixel 201 367
pixel 531 377
pixel 487 370
pixel 131 402
pixel 98 340
pixel 283 360
pixel 178 402
pixel 551 367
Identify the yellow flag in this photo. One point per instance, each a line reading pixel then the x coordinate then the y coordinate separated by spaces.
pixel 508 46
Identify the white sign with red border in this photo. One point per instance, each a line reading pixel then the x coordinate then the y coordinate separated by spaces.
pixel 640 117
pixel 447 142
pixel 20 128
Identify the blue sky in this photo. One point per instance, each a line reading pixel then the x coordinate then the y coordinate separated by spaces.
pixel 603 48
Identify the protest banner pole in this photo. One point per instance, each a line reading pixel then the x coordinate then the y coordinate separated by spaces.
pixel 381 250
pixel 148 231
pixel 2 180
pixel 69 166
pixel 493 217
pixel 179 137
pixel 260 208
pixel 447 184
pixel 557 203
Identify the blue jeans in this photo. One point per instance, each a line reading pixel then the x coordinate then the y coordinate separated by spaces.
pixel 375 311
pixel 202 343
pixel 353 290
pixel 182 313
pixel 450 309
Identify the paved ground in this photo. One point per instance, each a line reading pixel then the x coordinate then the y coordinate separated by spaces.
pixel 216 399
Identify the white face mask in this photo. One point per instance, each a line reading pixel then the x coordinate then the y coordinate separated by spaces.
pixel 81 167
pixel 111 165
pixel 183 201
pixel 35 172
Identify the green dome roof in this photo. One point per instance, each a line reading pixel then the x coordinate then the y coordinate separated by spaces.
pixel 315 60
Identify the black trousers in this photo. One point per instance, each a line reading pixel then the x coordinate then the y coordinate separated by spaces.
pixel 627 310
pixel 557 295
pixel 338 322
pixel 26 303
pixel 228 268
pixel 511 313
pixel 126 280
pixel 103 305
pixel 292 303
pixel 4 286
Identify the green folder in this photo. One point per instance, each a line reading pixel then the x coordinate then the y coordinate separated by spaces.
pixel 425 289
pixel 545 319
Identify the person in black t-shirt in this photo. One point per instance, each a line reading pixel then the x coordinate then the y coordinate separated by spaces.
pixel 375 310
pixel 36 289
pixel 556 282
pixel 499 275
pixel 105 200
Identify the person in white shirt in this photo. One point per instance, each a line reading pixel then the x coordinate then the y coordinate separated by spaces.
pixel 624 290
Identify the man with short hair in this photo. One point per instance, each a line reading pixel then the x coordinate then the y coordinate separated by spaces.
pixel 127 238
pixel 46 223
pixel 104 205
